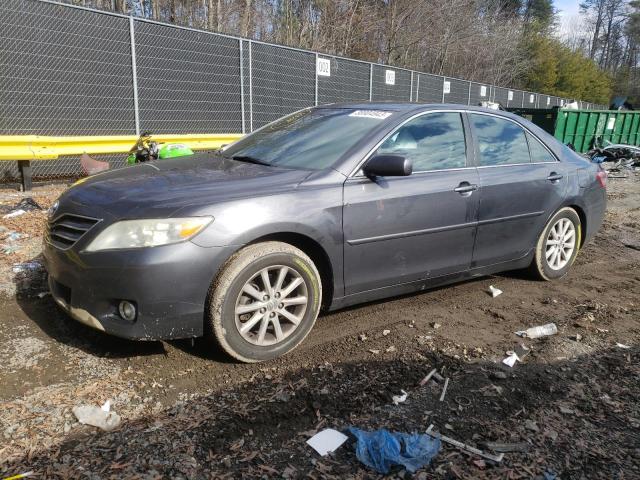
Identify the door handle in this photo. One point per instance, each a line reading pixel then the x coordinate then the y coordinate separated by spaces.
pixel 465 188
pixel 554 177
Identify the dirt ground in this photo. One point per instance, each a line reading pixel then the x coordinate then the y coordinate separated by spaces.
pixel 189 412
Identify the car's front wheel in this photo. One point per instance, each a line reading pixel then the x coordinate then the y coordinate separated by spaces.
pixel 558 245
pixel 264 302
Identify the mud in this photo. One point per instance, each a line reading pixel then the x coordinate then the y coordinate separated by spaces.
pixel 189 412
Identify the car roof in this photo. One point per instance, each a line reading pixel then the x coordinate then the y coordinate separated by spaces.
pixel 414 107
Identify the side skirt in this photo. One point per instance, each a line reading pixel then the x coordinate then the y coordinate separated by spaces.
pixel 427 284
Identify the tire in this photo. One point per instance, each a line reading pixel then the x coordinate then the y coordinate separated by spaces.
pixel 546 264
pixel 234 302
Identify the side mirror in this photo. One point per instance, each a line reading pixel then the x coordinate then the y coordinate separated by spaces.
pixel 388 166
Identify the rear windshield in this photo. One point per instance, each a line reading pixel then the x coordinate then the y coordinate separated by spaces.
pixel 311 139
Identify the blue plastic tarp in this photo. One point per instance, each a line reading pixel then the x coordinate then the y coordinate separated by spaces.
pixel 383 449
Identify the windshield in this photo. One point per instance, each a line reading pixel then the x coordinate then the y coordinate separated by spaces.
pixel 311 139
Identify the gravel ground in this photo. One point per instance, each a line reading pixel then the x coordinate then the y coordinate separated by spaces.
pixel 188 412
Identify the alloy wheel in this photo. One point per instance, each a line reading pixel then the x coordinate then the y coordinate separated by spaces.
pixel 271 305
pixel 560 244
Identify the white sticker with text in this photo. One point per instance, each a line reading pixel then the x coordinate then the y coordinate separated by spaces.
pixel 323 67
pixel 377 114
pixel 390 77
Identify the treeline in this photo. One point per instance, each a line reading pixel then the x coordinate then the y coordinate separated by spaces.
pixel 504 42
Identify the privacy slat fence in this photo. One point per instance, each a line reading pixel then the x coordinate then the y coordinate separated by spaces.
pixel 67 70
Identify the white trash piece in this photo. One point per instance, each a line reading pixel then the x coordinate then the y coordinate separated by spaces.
pixel 328 440
pixel 100 417
pixel 537 332
pixel 494 291
pixel 399 398
pixel 511 359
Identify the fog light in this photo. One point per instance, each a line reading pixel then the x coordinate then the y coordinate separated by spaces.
pixel 127 310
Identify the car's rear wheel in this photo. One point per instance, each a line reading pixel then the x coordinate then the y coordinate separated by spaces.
pixel 264 302
pixel 558 245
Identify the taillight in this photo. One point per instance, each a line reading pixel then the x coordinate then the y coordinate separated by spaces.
pixel 601 176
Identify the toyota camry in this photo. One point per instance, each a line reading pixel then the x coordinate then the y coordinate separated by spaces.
pixel 325 208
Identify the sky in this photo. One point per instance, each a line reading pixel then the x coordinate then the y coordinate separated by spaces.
pixel 568 13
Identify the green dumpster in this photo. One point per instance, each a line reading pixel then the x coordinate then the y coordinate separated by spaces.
pixel 582 127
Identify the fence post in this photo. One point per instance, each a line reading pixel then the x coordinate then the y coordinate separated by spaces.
pixel 250 88
pixel 134 70
pixel 469 97
pixel 371 82
pixel 444 79
pixel 418 88
pixel 411 92
pixel 316 76
pixel 242 84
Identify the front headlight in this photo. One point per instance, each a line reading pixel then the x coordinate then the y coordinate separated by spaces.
pixel 148 233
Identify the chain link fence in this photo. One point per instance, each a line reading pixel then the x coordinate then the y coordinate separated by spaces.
pixel 68 70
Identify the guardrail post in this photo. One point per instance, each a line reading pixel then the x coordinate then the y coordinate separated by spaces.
pixel 25 174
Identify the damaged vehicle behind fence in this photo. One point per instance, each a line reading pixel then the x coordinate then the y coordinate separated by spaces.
pixel 325 208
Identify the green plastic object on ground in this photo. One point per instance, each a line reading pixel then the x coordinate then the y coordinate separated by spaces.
pixel 173 150
pixel 581 128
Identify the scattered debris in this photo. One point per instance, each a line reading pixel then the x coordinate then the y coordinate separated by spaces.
pixel 511 359
pixel 444 389
pixel 496 458
pixel 498 375
pixel 91 166
pixel 382 449
pixel 386 332
pixel 622 345
pixel 494 292
pixel 362 337
pixel 577 337
pixel 537 332
pixel 100 417
pixel 27 267
pixel 391 349
pixel 507 447
pixel 516 355
pixel 426 379
pixel 435 325
pixel 374 351
pixel 15 213
pixel 23 206
pixel 566 410
pixel 20 475
pixel 397 399
pixel 326 441
pixel 531 425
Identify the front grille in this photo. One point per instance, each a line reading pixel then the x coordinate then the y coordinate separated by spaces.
pixel 67 229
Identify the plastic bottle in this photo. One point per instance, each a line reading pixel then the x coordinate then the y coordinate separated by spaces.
pixel 541 331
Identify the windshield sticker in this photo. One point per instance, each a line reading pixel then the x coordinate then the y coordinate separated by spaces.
pixel 377 114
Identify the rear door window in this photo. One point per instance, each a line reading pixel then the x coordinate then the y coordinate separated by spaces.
pixel 434 141
pixel 500 141
pixel 538 152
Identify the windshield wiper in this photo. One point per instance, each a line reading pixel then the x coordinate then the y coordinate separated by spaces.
pixel 249 159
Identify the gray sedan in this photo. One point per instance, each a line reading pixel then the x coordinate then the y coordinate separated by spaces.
pixel 325 208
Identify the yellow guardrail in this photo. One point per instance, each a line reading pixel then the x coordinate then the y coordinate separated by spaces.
pixel 37 147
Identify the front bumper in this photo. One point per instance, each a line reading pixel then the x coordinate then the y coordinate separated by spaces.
pixel 168 285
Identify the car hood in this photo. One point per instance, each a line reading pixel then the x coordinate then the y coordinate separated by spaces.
pixel 163 187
